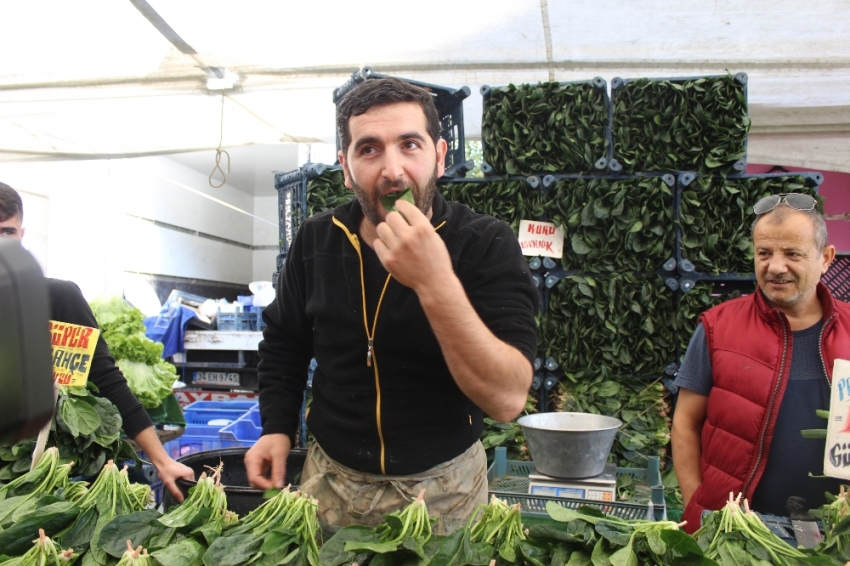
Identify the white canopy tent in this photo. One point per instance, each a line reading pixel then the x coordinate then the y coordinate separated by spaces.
pixel 118 78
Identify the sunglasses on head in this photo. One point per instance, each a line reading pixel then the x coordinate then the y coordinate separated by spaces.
pixel 796 201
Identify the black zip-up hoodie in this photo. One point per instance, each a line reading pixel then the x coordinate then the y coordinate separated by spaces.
pixel 403 414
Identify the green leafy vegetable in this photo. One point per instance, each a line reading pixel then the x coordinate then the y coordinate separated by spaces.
pixel 509 201
pixel 44 552
pixel 699 299
pixel 613 226
pixel 150 383
pixel 548 127
pixel 680 125
pixel 388 200
pixel 327 191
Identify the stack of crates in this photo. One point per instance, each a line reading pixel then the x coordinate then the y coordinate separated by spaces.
pixel 244 431
pixel 204 421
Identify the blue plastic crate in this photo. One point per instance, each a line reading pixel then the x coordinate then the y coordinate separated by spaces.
pixel 156 490
pixel 237 321
pixel 197 439
pixel 202 412
pixel 242 432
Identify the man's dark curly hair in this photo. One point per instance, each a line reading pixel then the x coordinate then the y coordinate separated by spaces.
pixel 10 203
pixel 379 92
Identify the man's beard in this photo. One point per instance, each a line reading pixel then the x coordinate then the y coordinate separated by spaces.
pixel 370 202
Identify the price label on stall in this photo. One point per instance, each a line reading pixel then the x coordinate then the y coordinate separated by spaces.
pixel 73 350
pixel 541 239
pixel 836 461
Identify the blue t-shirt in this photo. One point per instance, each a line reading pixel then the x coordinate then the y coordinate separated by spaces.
pixel 791 456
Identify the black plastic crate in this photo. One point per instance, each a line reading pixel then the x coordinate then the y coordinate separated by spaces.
pixel 837 278
pixel 697 255
pixel 660 125
pixel 509 199
pixel 449 102
pixel 595 147
pixel 292 204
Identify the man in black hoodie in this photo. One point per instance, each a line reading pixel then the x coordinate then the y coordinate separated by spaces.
pixel 420 320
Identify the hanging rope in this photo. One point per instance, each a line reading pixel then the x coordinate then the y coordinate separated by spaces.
pixel 219 152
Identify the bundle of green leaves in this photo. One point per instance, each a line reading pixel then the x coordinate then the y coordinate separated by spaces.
pixel 150 377
pixel 622 322
pixel 715 218
pixel 327 191
pixel 835 517
pixel 639 404
pixel 695 302
pixel 547 127
pixel 86 429
pixel 587 536
pixel 680 125
pixel 510 201
pixel 135 556
pixel 111 495
pixel 49 477
pixel 613 226
pixel 736 535
pixel 44 552
pixel 282 530
pixel 178 537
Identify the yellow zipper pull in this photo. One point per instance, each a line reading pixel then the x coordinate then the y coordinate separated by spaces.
pixel 369 354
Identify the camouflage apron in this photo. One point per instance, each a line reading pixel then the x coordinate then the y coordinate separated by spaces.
pixel 453 489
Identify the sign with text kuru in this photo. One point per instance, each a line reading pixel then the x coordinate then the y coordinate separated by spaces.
pixel 541 239
pixel 73 351
pixel 836 461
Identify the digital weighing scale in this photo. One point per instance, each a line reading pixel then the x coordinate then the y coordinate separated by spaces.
pixel 598 488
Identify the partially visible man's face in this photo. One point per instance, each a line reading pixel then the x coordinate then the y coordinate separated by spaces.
pixel 11 228
pixel 390 150
pixel 787 262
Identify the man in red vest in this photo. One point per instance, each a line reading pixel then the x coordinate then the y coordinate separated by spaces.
pixel 757 369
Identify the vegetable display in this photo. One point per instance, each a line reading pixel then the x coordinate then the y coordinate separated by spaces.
pixel 613 225
pixel 43 553
pixel 509 201
pixel 140 359
pixel 86 429
pixel 715 216
pixel 622 322
pixel 326 192
pixel 680 125
pixel 735 535
pixel 547 127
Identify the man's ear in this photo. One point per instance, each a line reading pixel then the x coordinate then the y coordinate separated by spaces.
pixel 442 148
pixel 828 258
pixel 341 157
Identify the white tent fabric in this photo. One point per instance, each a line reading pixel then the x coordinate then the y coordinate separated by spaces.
pixel 97 79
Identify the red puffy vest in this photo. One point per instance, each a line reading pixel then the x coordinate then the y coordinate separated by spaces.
pixel 750 346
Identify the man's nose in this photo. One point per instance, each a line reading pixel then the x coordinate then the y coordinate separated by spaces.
pixel 777 264
pixel 392 165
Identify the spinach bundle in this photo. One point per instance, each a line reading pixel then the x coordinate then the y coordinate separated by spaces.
pixel 509 201
pixel 736 536
pixel 637 403
pixel 22 495
pixel 282 530
pixel 327 191
pixel 402 536
pixel 548 127
pixel 86 429
pixel 715 216
pixel 680 125
pixel 110 495
pixel 591 537
pixel 621 322
pixel 140 359
pixel 836 525
pixel 178 537
pixel 613 226
pixel 44 552
pixel 500 527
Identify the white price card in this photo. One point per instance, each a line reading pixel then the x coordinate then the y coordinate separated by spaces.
pixel 541 239
pixel 836 460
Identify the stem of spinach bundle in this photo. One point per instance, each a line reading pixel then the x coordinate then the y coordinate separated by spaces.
pixel 135 557
pixel 416 523
pixel 499 525
pixel 208 493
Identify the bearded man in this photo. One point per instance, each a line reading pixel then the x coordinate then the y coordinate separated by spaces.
pixel 756 370
pixel 421 320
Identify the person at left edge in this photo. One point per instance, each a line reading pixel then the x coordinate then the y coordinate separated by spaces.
pixel 67 304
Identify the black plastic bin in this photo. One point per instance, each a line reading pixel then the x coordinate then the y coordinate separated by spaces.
pixel 241 499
